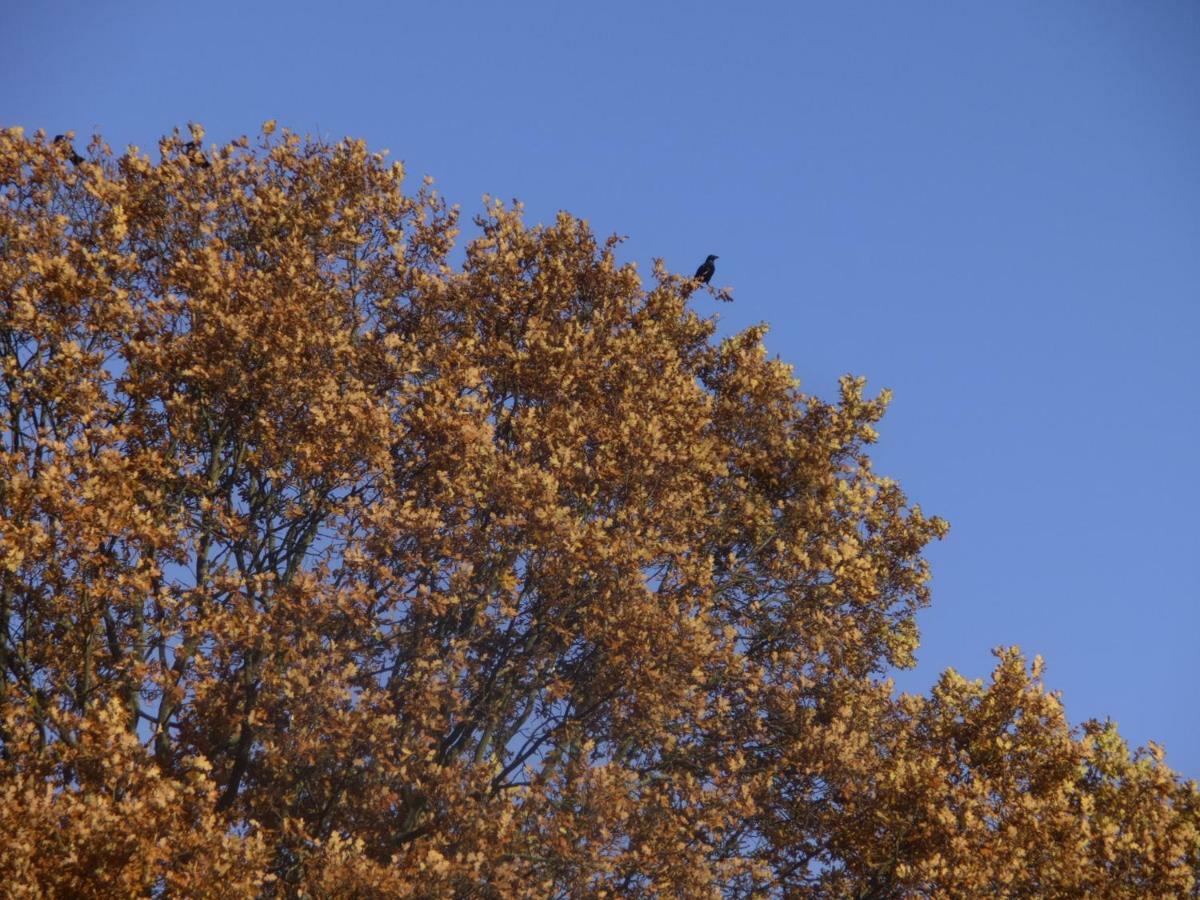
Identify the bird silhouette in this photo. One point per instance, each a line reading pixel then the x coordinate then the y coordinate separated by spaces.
pixel 69 148
pixel 705 272
pixel 196 154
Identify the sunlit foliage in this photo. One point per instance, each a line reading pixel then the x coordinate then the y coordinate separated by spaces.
pixel 332 568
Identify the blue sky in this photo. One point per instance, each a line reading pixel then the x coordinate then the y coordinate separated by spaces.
pixel 991 208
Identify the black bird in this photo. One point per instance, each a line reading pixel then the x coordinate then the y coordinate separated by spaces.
pixel 196 154
pixel 74 157
pixel 705 272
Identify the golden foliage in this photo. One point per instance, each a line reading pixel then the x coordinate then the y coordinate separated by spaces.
pixel 330 568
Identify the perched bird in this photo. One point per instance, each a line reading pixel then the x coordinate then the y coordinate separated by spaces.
pixel 196 154
pixel 73 156
pixel 705 272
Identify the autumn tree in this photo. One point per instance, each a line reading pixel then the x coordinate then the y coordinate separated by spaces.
pixel 333 569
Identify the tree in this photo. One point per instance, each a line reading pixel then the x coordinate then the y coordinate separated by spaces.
pixel 332 569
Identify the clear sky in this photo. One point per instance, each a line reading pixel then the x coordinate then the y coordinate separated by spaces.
pixel 991 208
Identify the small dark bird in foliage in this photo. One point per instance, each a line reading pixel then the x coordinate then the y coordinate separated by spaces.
pixel 705 272
pixel 195 154
pixel 73 156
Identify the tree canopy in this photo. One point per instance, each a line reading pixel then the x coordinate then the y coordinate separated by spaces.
pixel 337 561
